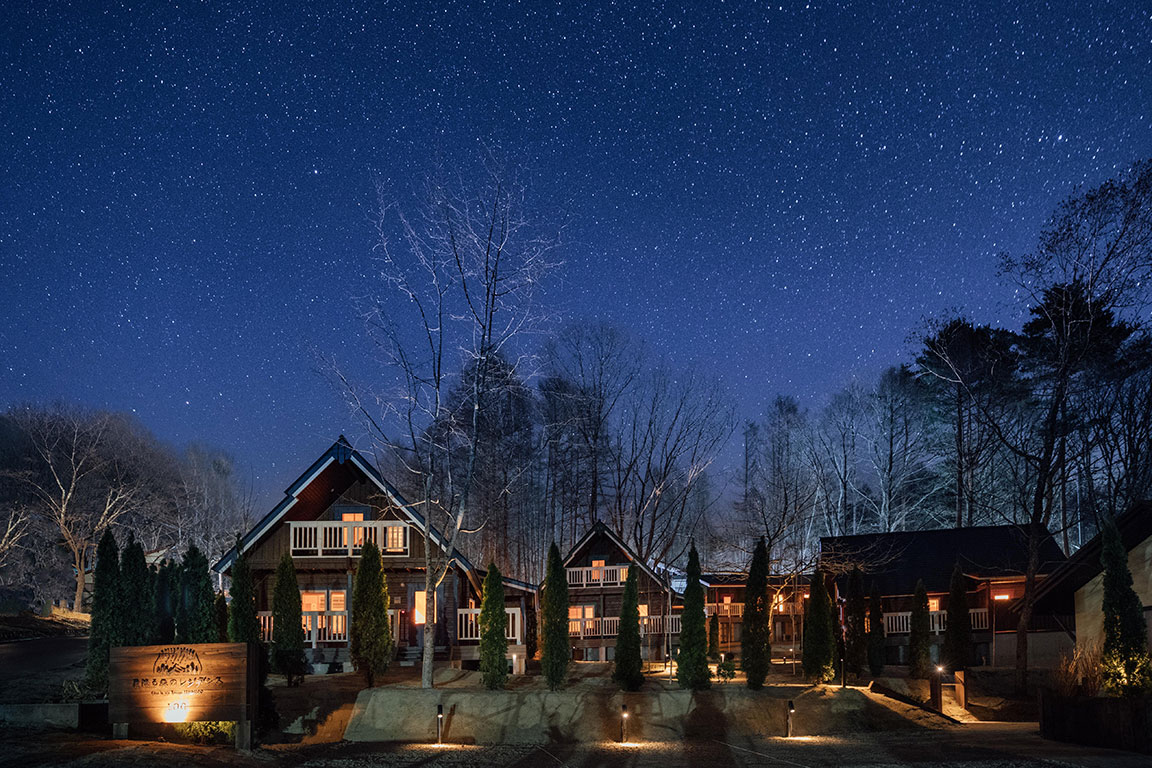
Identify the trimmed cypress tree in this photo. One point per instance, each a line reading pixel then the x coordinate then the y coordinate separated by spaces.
pixel 105 631
pixel 243 624
pixel 287 627
pixel 493 637
pixel 756 637
pixel 920 638
pixel 629 669
pixel 1125 659
pixel 714 637
pixel 875 634
pixel 554 654
pixel 370 631
pixel 220 611
pixel 692 663
pixel 165 597
pixel 196 619
pixel 958 631
pixel 135 596
pixel 855 609
pixel 819 635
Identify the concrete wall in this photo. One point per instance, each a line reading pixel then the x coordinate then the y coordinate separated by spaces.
pixel 1044 649
pixel 41 715
pixel 1090 597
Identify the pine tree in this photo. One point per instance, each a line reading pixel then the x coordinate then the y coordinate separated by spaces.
pixel 287 627
pixel 220 611
pixel 855 610
pixel 493 634
pixel 1127 670
pixel 629 670
pixel 165 596
pixel 243 624
pixel 370 632
pixel 819 635
pixel 196 618
pixel 692 664
pixel 756 640
pixel 875 634
pixel 105 631
pixel 920 638
pixel 135 596
pixel 554 654
pixel 958 631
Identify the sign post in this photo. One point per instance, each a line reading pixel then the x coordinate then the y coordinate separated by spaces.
pixel 183 683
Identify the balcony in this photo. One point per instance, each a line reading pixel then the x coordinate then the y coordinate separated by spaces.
pixel 319 626
pixel 468 625
pixel 340 538
pixel 724 609
pixel 901 623
pixel 609 626
pixel 597 576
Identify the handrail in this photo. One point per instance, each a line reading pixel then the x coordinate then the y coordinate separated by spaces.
pixel 345 538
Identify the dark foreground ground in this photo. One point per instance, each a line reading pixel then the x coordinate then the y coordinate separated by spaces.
pixel 982 745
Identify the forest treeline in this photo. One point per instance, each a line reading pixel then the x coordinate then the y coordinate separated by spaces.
pixel 1047 426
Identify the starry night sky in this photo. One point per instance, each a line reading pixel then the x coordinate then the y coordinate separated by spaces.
pixel 777 194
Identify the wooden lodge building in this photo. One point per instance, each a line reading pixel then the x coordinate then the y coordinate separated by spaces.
pixel 993 560
pixel 725 594
pixel 596 569
pixel 326 516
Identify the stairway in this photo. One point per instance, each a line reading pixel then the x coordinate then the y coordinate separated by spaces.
pixel 411 655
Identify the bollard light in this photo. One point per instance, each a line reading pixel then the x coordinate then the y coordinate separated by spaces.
pixel 439 723
pixel 788 722
pixel 623 723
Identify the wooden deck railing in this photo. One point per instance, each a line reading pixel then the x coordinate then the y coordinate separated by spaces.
pixel 468 625
pixel 609 626
pixel 598 576
pixel 900 623
pixel 319 626
pixel 340 538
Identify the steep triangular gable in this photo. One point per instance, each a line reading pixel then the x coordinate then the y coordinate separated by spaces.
pixel 600 529
pixel 340 452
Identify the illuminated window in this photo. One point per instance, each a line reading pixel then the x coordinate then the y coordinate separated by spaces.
pixel 727 599
pixel 643 609
pixel 581 611
pixel 312 601
pixel 419 606
pixel 933 604
pixel 394 538
pixel 596 575
pixel 336 600
pixel 1002 596
pixel 357 531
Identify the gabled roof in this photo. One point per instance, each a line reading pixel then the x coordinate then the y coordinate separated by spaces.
pixel 895 561
pixel 600 529
pixel 1056 593
pixel 341 452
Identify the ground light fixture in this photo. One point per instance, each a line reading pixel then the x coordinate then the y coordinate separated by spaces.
pixel 788 722
pixel 623 723
pixel 439 723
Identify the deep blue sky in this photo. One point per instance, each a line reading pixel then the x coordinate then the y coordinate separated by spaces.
pixel 776 194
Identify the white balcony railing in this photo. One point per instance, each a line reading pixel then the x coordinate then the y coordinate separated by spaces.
pixel 900 623
pixel 597 576
pixel 345 538
pixel 319 626
pixel 468 625
pixel 609 626
pixel 724 609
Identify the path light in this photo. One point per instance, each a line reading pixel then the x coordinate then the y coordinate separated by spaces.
pixel 623 723
pixel 439 723
pixel 936 689
pixel 788 726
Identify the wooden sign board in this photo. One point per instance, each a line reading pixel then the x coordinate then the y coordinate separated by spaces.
pixel 181 683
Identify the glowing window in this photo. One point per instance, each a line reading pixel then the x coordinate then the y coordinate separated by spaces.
pixel 336 600
pixel 727 599
pixel 312 601
pixel 419 606
pixel 643 609
pixel 933 604
pixel 394 538
pixel 581 611
pixel 1002 596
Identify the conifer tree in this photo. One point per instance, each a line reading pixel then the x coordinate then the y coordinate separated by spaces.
pixel 493 635
pixel 855 609
pixel 105 631
pixel 135 596
pixel 920 638
pixel 875 634
pixel 692 663
pixel 554 654
pixel 220 612
pixel 243 624
pixel 165 597
pixel 196 619
pixel 756 640
pixel 629 668
pixel 370 633
pixel 958 630
pixel 287 628
pixel 1126 665
pixel 819 635
pixel 714 637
